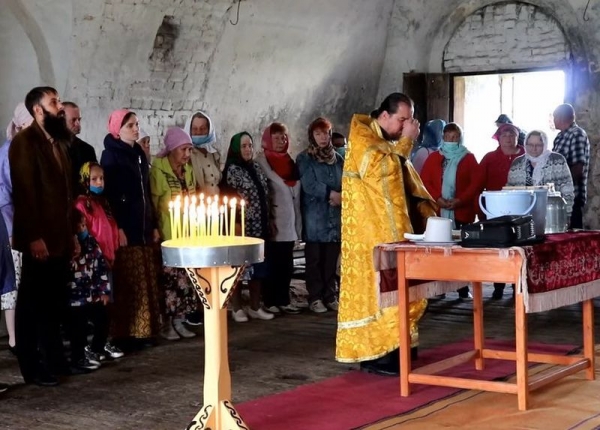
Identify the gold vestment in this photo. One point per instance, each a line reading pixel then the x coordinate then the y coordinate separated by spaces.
pixel 382 198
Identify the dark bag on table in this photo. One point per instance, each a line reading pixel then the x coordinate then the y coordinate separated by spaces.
pixel 501 232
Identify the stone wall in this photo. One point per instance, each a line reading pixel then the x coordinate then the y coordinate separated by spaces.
pixel 506 36
pixel 285 60
pixel 436 36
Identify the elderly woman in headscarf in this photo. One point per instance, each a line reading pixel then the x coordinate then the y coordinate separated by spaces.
pixel 284 191
pixel 127 189
pixel 144 142
pixel 540 166
pixel 432 140
pixel 243 178
pixel 171 175
pixel 8 299
pixel 321 168
pixel 451 175
pixel 206 159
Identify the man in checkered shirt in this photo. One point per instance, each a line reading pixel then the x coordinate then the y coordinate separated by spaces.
pixel 572 142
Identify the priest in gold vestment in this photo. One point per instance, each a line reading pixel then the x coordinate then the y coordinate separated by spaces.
pixel 382 198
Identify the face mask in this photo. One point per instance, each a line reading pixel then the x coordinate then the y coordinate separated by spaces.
pixel 449 143
pixel 200 140
pixel 96 190
pixel 82 235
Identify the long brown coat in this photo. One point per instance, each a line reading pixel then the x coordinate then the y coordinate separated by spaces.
pixel 42 193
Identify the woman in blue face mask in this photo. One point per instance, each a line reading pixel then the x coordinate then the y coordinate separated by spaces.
pixel 451 175
pixel 206 160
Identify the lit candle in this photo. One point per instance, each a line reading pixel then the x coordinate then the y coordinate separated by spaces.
pixel 221 219
pixel 232 216
pixel 171 220
pixel 186 216
pixel 215 219
pixel 193 221
pixel 177 233
pixel 225 220
pixel 243 205
pixel 201 221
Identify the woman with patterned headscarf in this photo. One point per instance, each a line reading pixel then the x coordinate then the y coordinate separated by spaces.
pixel 321 168
pixel 243 178
pixel 431 142
pixel 286 226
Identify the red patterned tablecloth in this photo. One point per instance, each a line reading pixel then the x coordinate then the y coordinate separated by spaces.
pixel 562 260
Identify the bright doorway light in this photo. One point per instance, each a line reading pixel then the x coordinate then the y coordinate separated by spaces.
pixel 528 98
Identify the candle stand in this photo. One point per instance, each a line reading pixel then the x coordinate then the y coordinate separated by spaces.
pixel 214 266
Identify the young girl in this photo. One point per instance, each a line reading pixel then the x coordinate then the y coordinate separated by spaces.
pixel 89 294
pixel 101 225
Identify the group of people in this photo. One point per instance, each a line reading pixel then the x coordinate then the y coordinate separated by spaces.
pixel 82 238
pixel 455 180
pixel 386 195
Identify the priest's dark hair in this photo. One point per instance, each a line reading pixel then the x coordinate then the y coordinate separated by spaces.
pixel 390 104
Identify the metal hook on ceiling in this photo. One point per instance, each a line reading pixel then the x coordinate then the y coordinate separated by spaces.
pixel 237 18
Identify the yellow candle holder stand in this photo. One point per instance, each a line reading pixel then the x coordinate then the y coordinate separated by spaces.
pixel 214 265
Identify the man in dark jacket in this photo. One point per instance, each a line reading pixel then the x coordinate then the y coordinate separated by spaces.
pixel 80 152
pixel 42 194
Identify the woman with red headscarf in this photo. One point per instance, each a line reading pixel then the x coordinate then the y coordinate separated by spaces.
pixel 495 167
pixel 284 191
pixel 137 263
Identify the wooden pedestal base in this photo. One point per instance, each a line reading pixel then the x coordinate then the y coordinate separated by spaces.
pixel 214 286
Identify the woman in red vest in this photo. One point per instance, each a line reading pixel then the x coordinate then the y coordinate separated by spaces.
pixel 451 175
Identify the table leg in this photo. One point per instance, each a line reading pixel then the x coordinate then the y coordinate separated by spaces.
pixel 478 333
pixel 588 338
pixel 521 339
pixel 404 326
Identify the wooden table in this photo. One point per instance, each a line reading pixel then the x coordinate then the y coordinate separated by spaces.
pixel 477 266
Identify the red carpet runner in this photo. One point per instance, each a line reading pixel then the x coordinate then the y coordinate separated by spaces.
pixel 356 399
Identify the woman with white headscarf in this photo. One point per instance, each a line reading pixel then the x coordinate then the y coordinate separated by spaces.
pixel 206 159
pixel 8 299
pixel 540 166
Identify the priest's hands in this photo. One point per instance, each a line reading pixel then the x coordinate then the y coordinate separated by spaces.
pixel 411 129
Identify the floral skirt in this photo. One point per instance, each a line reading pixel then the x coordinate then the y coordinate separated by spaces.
pixel 137 297
pixel 180 296
pixel 9 300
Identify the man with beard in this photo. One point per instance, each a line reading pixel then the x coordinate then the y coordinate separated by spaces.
pixel 79 151
pixel 382 198
pixel 41 178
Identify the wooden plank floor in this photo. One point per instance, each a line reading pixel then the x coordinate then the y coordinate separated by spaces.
pixel 161 387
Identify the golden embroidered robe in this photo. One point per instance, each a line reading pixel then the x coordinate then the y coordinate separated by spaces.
pixel 382 198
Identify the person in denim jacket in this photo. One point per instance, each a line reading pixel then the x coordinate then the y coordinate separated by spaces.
pixel 320 168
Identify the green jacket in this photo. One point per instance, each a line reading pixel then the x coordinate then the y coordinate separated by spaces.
pixel 164 187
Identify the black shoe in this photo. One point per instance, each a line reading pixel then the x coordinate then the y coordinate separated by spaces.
pixel 195 318
pixel 3 387
pixel 498 292
pixel 371 366
pixel 13 349
pixel 464 293
pixel 43 379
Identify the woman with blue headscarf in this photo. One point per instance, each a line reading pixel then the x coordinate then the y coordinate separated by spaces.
pixel 431 142
pixel 451 175
pixel 206 158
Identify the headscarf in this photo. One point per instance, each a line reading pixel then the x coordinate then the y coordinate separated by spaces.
pixel 115 121
pixel 234 154
pixel 433 134
pixel 321 155
pixel 504 127
pixel 541 160
pixel 207 142
pixel 84 180
pixel 21 119
pixel 174 138
pixel 280 162
pixel 143 134
pixel 453 153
